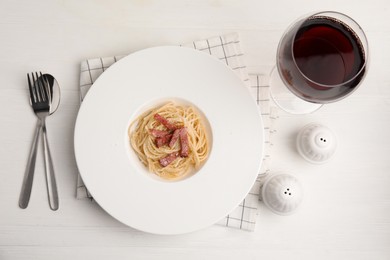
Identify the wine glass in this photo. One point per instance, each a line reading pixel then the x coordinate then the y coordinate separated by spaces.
pixel 321 58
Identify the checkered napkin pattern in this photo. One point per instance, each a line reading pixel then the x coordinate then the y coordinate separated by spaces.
pixel 227 49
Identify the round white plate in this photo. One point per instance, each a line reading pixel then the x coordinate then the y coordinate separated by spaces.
pixel 122 186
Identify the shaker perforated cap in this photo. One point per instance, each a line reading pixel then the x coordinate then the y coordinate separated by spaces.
pixel 316 143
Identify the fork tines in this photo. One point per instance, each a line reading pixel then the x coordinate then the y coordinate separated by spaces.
pixel 39 88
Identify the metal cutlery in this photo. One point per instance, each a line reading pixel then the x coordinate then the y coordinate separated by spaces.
pixel 41 96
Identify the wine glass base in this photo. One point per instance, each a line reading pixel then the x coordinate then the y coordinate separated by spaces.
pixel 286 100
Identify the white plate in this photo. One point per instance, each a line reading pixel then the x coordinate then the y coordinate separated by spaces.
pixel 122 186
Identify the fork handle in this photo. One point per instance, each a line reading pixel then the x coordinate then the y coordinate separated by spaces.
pixel 51 184
pixel 30 168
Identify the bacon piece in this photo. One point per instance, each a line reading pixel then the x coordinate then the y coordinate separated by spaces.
pixel 184 142
pixel 164 140
pixel 158 133
pixel 168 159
pixel 165 122
pixel 174 138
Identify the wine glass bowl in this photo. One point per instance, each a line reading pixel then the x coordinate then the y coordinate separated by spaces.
pixel 321 58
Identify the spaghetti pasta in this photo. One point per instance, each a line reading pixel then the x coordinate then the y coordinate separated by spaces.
pixel 186 146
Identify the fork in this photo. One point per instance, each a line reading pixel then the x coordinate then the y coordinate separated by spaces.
pixel 40 96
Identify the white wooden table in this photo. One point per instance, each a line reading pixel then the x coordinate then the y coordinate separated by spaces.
pixel 346 210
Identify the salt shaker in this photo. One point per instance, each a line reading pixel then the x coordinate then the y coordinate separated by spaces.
pixel 281 193
pixel 316 143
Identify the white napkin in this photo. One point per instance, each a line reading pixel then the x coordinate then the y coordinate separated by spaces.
pixel 227 49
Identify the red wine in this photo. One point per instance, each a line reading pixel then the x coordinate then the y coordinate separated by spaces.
pixel 323 60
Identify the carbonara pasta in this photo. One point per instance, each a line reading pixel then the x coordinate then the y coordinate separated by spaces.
pixel 170 140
